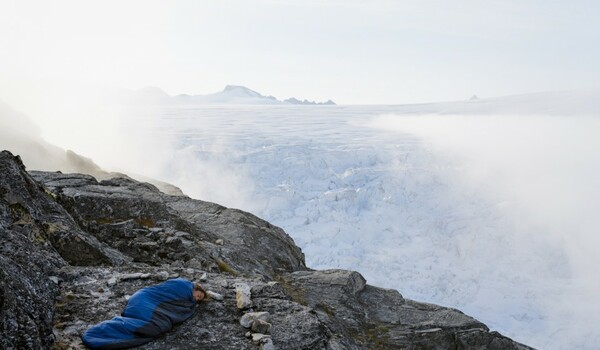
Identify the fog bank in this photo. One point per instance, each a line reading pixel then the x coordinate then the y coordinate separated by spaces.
pixel 543 174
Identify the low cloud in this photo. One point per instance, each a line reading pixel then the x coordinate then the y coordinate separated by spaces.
pixel 543 175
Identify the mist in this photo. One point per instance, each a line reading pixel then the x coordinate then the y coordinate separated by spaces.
pixel 541 174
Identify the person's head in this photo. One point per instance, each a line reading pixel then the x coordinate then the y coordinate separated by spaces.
pixel 199 292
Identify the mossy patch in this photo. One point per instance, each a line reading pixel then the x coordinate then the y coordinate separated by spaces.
pixel 53 227
pixel 376 338
pixel 326 308
pixel 104 221
pixel 142 221
pixel 224 267
pixel 18 210
pixel 39 239
pixel 145 222
pixel 50 193
pixel 297 294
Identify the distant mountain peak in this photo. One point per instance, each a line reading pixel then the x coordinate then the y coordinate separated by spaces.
pixel 241 90
pixel 234 94
pixel 236 87
pixel 153 91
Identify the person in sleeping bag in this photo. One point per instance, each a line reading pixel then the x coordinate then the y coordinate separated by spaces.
pixel 149 313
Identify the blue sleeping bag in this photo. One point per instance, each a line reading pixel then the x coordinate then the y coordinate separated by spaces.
pixel 149 313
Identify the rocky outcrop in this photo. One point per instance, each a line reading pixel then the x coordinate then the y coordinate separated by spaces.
pixel 152 227
pixel 74 249
pixel 37 237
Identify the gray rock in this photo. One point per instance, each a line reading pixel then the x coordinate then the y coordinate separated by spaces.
pixel 260 326
pixel 243 296
pixel 173 240
pixel 194 264
pixel 162 275
pixel 248 318
pixel 267 345
pixel 258 338
pixel 214 295
pixel 371 317
pixel 131 276
pixel 203 276
pixel 148 245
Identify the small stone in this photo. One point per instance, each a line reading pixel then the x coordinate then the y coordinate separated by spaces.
pixel 112 281
pixel 214 295
pixel 203 277
pixel 148 244
pixel 248 318
pixel 181 234
pixel 194 264
pixel 248 335
pixel 85 280
pixel 177 264
pixel 258 338
pixel 219 241
pixel 260 326
pixel 267 345
pixel 242 296
pixel 172 240
pixel 162 276
pixel 131 276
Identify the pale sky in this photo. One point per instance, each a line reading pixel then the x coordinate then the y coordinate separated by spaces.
pixel 353 51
